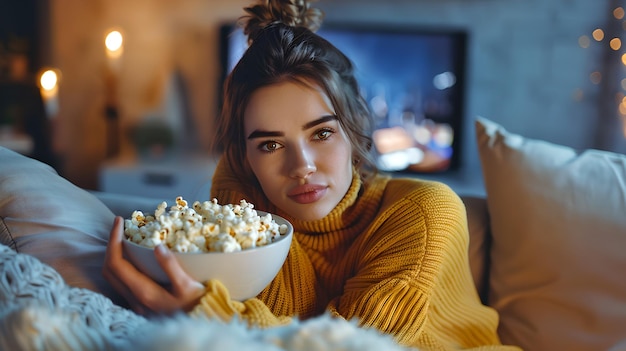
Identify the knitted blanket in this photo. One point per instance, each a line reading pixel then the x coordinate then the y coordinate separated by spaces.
pixel 39 311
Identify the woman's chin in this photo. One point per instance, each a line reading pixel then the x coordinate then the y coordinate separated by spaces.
pixel 308 213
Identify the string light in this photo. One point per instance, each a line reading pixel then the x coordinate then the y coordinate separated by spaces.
pixel 615 44
pixel 598 34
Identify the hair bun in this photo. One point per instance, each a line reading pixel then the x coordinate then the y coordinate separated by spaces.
pixel 295 13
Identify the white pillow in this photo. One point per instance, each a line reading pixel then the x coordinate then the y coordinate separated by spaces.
pixel 558 255
pixel 46 216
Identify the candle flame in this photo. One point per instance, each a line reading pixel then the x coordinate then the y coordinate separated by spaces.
pixel 114 43
pixel 48 80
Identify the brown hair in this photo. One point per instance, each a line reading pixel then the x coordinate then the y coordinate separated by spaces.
pixel 284 47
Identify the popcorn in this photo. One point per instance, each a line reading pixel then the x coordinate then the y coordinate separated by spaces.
pixel 204 227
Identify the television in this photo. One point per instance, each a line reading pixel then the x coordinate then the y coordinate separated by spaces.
pixel 413 80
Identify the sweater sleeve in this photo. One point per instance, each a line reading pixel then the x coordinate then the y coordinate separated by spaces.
pixel 216 303
pixel 414 280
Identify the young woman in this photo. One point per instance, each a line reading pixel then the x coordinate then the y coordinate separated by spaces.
pixel 295 138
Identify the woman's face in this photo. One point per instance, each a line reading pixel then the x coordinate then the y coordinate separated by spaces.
pixel 297 149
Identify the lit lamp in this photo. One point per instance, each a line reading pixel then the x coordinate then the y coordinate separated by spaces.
pixel 114 44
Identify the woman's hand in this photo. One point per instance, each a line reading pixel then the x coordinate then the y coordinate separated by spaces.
pixel 143 294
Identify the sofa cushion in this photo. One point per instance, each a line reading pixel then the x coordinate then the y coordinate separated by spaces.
pixel 559 232
pixel 44 215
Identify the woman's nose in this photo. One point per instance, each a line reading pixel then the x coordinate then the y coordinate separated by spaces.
pixel 302 163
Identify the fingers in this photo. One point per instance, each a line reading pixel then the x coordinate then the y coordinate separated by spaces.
pixel 115 265
pixel 114 247
pixel 113 256
pixel 141 292
pixel 114 262
pixel 170 265
pixel 133 303
pixel 183 286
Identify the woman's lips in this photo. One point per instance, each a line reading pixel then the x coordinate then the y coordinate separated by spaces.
pixel 308 193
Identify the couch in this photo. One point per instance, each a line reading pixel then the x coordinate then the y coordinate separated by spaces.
pixel 547 241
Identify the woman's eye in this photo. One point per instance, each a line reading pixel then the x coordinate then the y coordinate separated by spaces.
pixel 269 146
pixel 324 134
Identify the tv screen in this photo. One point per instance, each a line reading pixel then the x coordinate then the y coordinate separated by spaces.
pixel 413 80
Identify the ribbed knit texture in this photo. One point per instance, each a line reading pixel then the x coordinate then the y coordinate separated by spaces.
pixel 393 254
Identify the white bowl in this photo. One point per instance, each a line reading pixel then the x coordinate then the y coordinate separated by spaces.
pixel 244 273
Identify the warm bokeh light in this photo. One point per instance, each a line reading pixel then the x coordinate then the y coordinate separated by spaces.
pixel 114 43
pixel 49 80
pixel 392 139
pixel 584 41
pixel 615 44
pixel 598 34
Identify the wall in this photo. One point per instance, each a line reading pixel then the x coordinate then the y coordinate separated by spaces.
pixel 526 69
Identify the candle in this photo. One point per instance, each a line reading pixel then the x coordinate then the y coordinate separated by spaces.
pixel 49 89
pixel 114 45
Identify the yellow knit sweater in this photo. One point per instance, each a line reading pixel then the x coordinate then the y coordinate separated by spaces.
pixel 393 253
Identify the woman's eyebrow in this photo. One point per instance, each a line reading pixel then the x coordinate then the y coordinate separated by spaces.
pixel 320 120
pixel 266 134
